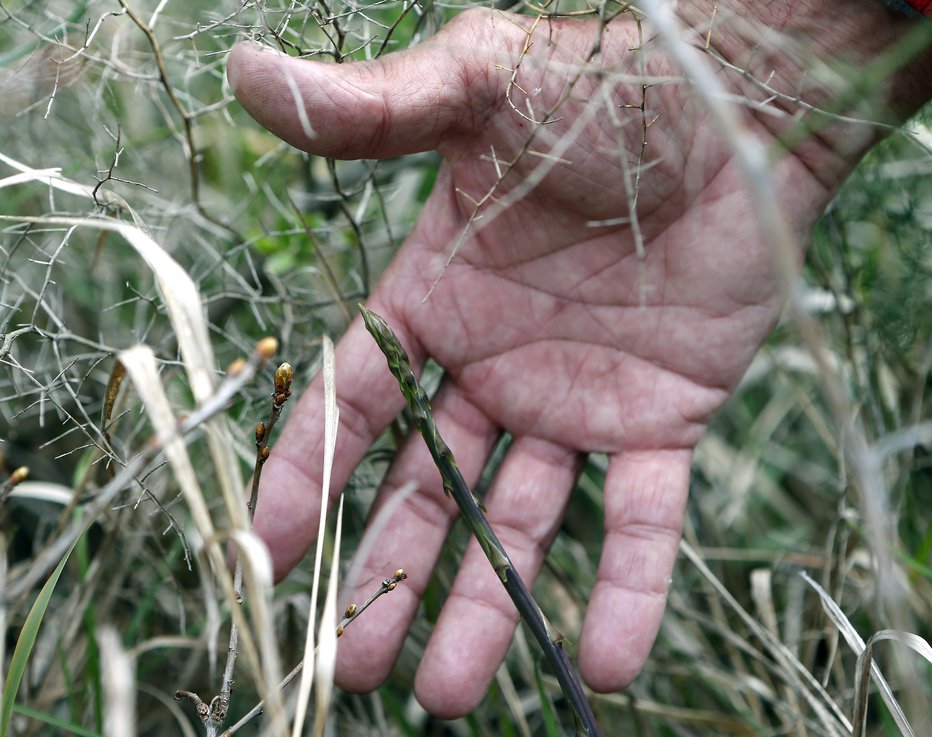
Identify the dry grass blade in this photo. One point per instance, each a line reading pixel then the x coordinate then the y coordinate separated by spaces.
pixel 863 651
pixel 791 670
pixel 865 659
pixel 331 423
pixel 119 684
pixel 185 310
pixel 326 661
pixel 259 582
pixel 142 368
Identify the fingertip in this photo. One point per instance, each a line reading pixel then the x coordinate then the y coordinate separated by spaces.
pixel 235 60
pixel 645 500
pixel 241 61
pixel 617 638
pixel 447 684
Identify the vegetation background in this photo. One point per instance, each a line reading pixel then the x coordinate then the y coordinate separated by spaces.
pixel 130 101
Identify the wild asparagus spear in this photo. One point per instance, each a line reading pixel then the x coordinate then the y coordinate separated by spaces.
pixel 454 485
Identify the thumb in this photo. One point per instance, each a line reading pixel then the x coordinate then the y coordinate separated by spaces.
pixel 403 103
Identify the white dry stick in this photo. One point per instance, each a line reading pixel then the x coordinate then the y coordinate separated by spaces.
pixel 54 179
pixel 331 424
pixel 28 176
pixel 119 684
pixel 299 106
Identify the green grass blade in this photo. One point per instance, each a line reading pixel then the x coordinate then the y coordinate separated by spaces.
pixel 547 712
pixel 25 643
pixel 61 724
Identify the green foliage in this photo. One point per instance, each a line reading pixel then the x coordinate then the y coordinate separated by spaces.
pixel 24 644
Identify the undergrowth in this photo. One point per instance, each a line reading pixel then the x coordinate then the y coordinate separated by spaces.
pixel 129 101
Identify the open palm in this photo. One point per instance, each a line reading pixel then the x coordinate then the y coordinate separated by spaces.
pixel 548 323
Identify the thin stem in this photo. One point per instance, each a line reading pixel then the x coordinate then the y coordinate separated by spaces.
pixel 220 706
pixel 187 119
pixel 454 485
pixel 17 477
pixel 351 613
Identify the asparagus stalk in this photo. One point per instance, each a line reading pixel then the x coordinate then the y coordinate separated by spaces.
pixel 454 485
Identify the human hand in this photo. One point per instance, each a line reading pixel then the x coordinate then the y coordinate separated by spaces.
pixel 547 322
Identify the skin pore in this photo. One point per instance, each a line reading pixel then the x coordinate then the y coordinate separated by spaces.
pixel 547 322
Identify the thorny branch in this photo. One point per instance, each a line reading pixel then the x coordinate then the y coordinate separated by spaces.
pixel 187 118
pixel 237 377
pixel 351 613
pixel 214 715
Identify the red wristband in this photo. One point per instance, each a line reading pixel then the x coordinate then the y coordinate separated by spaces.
pixel 923 6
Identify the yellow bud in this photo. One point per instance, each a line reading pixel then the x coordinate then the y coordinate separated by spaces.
pixel 266 348
pixel 339 630
pixel 350 611
pixel 234 368
pixel 19 475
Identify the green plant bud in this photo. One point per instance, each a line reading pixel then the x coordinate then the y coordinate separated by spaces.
pixel 283 377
